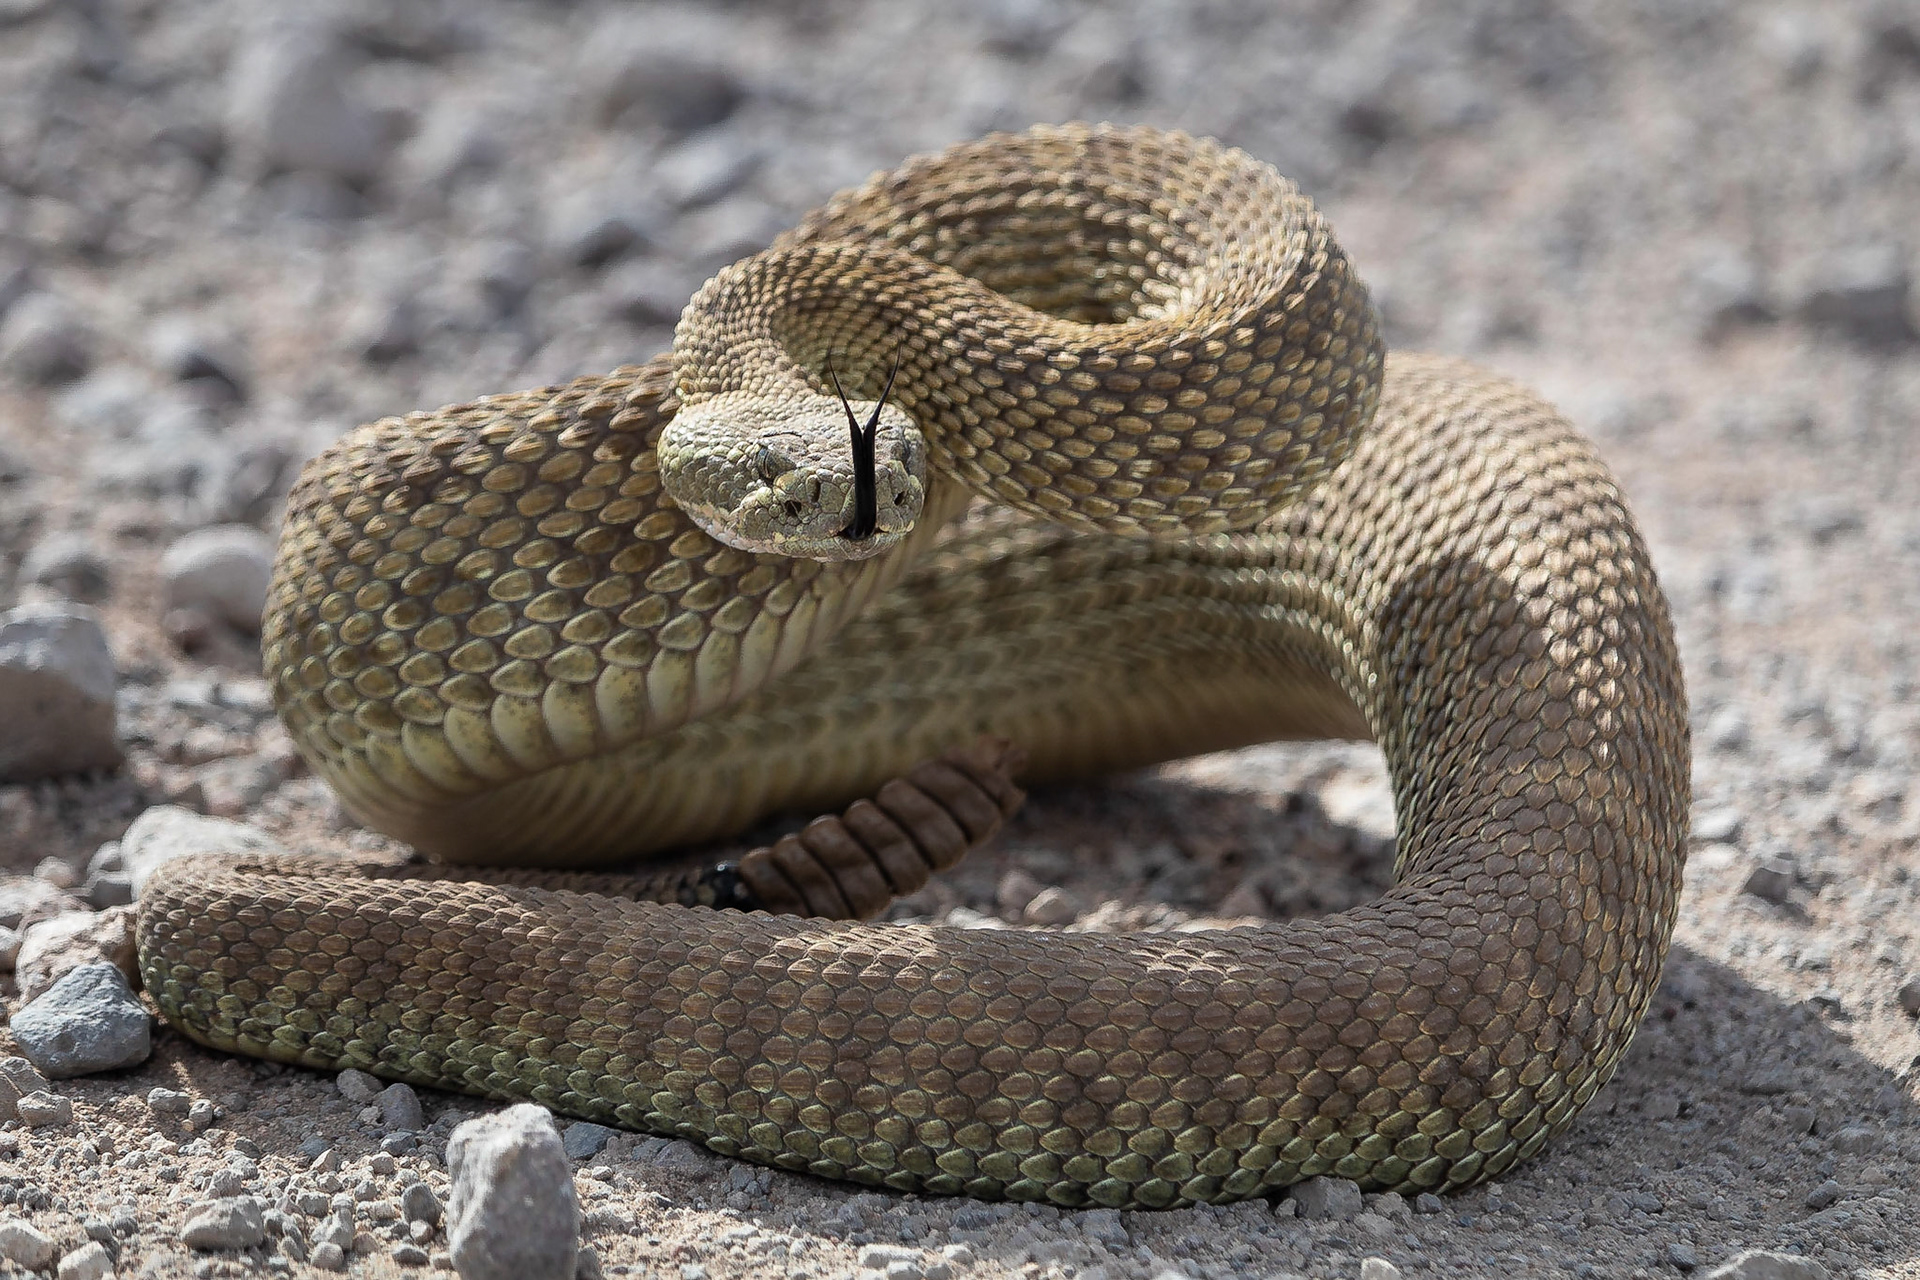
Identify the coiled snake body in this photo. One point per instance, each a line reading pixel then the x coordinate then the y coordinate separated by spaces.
pixel 515 632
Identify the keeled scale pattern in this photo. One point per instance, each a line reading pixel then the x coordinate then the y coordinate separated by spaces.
pixel 1469 579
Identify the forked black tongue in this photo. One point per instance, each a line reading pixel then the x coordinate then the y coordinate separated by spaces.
pixel 866 493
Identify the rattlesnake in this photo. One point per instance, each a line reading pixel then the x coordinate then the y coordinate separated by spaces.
pixel 514 632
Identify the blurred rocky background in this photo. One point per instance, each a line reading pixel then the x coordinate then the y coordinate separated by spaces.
pixel 230 231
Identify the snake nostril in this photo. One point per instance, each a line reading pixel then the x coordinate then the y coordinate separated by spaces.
pixel 792 509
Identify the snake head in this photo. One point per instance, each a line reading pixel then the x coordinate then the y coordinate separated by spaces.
pixel 787 479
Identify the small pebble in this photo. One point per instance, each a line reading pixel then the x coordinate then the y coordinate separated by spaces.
pixel 419 1204
pixel 512 1213
pixel 18 1078
pixel 1378 1269
pixel 1823 1195
pixel 583 1139
pixel 44 1109
pixel 70 564
pixel 90 1261
pixel 222 572
pixel 1338 1199
pixel 230 1222
pixel 1052 906
pixel 1909 995
pixel 400 1108
pixel 43 343
pixel 357 1086
pixel 170 1102
pixel 1771 881
pixel 1681 1255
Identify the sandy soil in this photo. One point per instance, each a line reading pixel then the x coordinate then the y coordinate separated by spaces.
pixel 1689 223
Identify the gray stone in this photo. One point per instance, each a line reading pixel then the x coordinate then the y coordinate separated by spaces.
pixel 893 1261
pixel 1761 1264
pixel 583 1138
pixel 419 1204
pixel 400 1107
pixel 358 1086
pixel 221 571
pixel 1335 1198
pixel 1863 295
pixel 329 1257
pixel 1855 1140
pixel 166 832
pixel 89 1021
pixel 190 352
pixel 70 564
pixel 1909 995
pixel 169 1102
pixel 43 343
pixel 293 105
pixel 1052 906
pixel 90 1261
pixel 668 89
pixel 230 1222
pixel 44 1109
pixel 26 1244
pixel 1378 1268
pixel 56 693
pixel 1771 881
pixel 1682 1256
pixel 104 889
pixel 9 948
pixel 512 1213
pixel 1824 1195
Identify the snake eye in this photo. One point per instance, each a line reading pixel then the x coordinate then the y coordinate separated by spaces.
pixel 772 463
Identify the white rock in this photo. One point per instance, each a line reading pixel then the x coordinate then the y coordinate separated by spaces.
pixel 24 1243
pixel 90 1261
pixel 221 571
pixel 1760 1264
pixel 166 832
pixel 52 948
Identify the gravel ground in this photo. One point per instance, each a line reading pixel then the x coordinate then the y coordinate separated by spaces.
pixel 224 238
